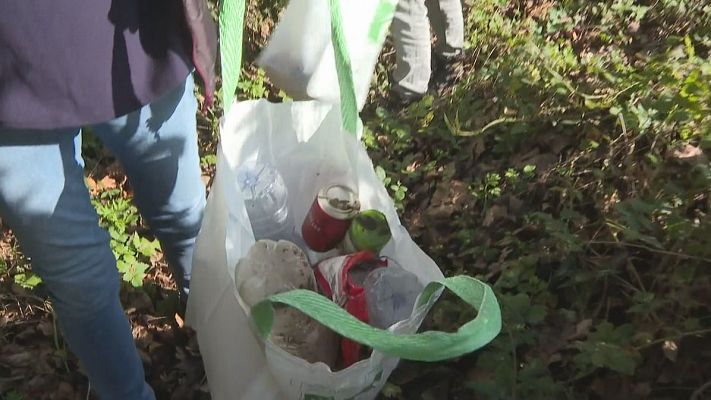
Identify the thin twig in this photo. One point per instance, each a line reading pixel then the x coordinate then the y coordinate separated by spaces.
pixel 12 379
pixel 700 332
pixel 698 392
pixel 632 270
pixel 651 249
pixel 603 299
pixel 14 324
pixel 476 57
pixel 491 53
pixel 19 307
pixel 515 362
pixel 629 285
pixel 14 296
pixel 622 122
pixel 499 121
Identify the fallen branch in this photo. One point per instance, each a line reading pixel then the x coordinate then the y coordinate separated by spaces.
pixel 682 335
pixel 651 249
pixel 698 392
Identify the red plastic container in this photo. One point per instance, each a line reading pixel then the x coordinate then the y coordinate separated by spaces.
pixel 341 280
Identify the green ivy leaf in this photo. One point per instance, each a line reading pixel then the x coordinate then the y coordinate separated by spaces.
pixel 536 314
pixel 380 172
pixel 136 273
pixel 122 267
pixel 616 358
pixel 391 391
pixel 144 246
pixel 13 395
pixel 27 281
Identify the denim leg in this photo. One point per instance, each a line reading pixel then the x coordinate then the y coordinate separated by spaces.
pixel 44 200
pixel 157 146
pixel 448 25
pixel 411 38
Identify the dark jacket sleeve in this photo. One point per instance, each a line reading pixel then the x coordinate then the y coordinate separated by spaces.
pixel 204 44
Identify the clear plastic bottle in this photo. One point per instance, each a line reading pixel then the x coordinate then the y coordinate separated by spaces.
pixel 266 199
pixel 390 293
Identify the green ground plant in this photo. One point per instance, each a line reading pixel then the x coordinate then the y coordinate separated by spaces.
pixel 120 218
pixel 580 131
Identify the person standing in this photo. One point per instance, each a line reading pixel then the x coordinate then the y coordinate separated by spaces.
pixel 124 68
pixel 412 75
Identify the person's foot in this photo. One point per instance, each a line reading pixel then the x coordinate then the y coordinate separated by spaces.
pixel 398 100
pixel 447 71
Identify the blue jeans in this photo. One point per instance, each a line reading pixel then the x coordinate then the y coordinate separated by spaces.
pixel 45 202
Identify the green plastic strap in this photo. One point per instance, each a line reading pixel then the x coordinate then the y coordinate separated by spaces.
pixel 231 31
pixel 379 26
pixel 344 70
pixel 425 346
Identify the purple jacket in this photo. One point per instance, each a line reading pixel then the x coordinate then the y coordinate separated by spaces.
pixel 68 63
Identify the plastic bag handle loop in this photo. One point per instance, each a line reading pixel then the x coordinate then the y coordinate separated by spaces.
pixel 231 23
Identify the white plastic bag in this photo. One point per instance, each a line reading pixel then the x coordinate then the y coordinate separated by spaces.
pixel 299 59
pixel 306 143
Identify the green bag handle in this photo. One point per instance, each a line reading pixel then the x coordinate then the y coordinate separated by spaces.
pixel 231 33
pixel 425 346
pixel 231 23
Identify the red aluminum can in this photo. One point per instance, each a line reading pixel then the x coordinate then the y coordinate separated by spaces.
pixel 329 217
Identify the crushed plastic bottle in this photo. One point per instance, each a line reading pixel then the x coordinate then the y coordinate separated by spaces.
pixel 390 293
pixel 266 199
